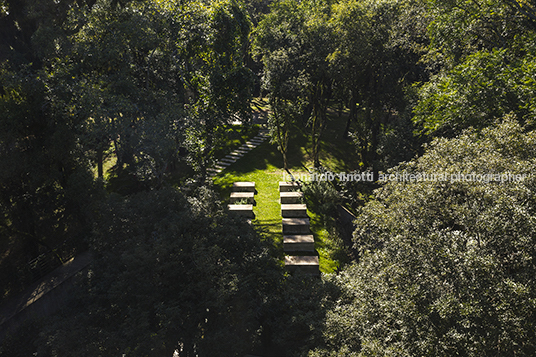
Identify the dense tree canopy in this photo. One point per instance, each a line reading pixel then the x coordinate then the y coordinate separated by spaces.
pixel 178 274
pixel 446 266
pixel 108 106
pixel 485 87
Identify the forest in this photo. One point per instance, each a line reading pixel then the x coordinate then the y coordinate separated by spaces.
pixel 114 112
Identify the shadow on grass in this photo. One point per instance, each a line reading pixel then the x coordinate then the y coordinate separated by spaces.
pixel 270 230
pixel 264 166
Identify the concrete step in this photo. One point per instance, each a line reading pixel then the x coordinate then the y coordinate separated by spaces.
pixel 242 196
pixel 233 156
pixel 243 187
pixel 241 210
pixel 288 186
pixel 299 243
pixel 291 197
pixel 294 210
pixel 295 226
pixel 226 159
pixel 302 265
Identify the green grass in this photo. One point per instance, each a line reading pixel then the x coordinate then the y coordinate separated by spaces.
pixel 264 166
pixel 234 136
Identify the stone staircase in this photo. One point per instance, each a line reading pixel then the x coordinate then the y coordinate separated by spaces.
pixel 298 242
pixel 237 154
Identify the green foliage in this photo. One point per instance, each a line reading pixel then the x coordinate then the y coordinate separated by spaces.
pixel 221 83
pixel 460 28
pixel 150 77
pixel 294 315
pixel 486 86
pixel 281 120
pixel 446 267
pixel 484 53
pixel 45 185
pixel 122 76
pixel 171 273
pixel 322 197
pixel 294 42
pixel 378 45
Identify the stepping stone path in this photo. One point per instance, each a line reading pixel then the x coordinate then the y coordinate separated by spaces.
pixel 302 265
pixel 241 191
pixel 241 210
pixel 290 197
pixel 296 226
pixel 298 241
pixel 249 197
pixel 294 210
pixel 288 186
pixel 228 160
pixel 244 187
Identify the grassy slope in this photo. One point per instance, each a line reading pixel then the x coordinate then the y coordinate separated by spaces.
pixel 264 164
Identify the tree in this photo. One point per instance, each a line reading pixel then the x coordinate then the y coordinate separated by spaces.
pixel 121 76
pixel 146 71
pixel 446 261
pixel 46 189
pixel 486 86
pixel 281 120
pixel 171 272
pixel 460 28
pixel 375 59
pixel 276 41
pixel 222 84
pixel 294 41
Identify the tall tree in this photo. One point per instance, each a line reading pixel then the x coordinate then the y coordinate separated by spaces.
pixel 485 87
pixel 122 77
pixel 171 273
pixel 460 28
pixel 294 41
pixel 222 84
pixel 373 64
pixel 484 54
pixel 446 261
pixel 149 77
pixel 45 183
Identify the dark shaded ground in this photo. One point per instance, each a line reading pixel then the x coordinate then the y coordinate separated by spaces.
pixel 31 302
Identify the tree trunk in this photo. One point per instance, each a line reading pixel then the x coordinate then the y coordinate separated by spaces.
pixel 118 156
pixel 100 164
pixel 351 117
pixel 285 160
pixel 365 150
pixel 319 108
pixel 207 156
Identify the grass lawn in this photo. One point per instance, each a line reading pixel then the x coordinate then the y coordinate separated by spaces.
pixel 264 166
